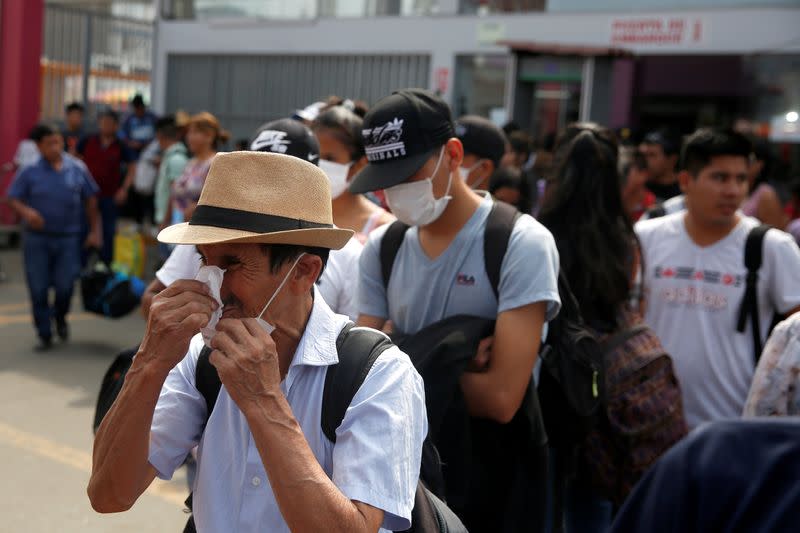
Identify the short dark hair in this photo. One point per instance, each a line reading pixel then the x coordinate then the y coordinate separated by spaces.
pixel 40 131
pixel 667 139
pixel 75 106
pixel 280 254
pixel 167 127
pixel 137 101
pixel 520 142
pixel 706 143
pixel 109 113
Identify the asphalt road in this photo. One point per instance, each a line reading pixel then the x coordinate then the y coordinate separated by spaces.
pixel 46 416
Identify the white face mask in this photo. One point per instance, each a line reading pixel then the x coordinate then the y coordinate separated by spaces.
pixel 465 172
pixel 269 328
pixel 414 203
pixel 337 174
pixel 212 277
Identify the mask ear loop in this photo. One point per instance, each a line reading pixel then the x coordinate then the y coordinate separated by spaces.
pixel 285 279
pixel 469 171
pixel 449 174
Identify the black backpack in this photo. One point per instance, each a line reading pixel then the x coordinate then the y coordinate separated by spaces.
pixel 753 255
pixel 572 380
pixel 358 349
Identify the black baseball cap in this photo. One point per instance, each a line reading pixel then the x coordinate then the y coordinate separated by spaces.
pixel 667 140
pixel 481 137
pixel 287 136
pixel 401 132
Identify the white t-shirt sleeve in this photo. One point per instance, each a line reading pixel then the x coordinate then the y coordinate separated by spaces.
pixel 783 255
pixel 339 281
pixel 372 298
pixel 376 458
pixel 529 272
pixel 183 263
pixel 179 415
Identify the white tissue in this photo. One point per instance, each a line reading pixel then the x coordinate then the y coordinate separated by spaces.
pixel 212 277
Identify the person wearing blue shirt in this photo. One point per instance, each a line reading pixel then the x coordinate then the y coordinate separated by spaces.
pixel 139 128
pixel 50 197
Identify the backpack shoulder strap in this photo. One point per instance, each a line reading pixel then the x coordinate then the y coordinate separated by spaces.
pixel 207 380
pixel 390 245
pixel 753 257
pixel 656 211
pixel 496 235
pixel 358 349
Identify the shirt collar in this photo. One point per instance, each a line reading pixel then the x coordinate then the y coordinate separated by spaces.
pixel 318 344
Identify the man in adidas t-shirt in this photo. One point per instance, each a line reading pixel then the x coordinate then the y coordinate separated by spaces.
pixel 695 277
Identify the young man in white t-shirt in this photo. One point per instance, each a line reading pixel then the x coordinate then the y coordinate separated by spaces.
pixel 695 277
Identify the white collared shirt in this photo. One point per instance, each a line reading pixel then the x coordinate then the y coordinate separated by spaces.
pixel 375 460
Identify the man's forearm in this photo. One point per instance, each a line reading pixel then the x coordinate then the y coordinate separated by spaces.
pixel 298 481
pixel 93 215
pixel 20 208
pixel 120 466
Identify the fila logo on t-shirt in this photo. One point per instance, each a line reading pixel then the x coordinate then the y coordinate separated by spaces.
pixel 465 280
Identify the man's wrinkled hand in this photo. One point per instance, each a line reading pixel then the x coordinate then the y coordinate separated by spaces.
pixel 176 315
pixel 247 361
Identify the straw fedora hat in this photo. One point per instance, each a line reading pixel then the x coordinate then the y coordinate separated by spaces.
pixel 261 197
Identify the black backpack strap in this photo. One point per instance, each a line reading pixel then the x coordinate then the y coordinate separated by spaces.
pixel 390 245
pixel 207 380
pixel 358 349
pixel 657 211
pixel 496 235
pixel 753 255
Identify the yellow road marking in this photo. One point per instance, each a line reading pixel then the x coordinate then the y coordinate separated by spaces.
pixel 4 308
pixel 7 320
pixel 77 459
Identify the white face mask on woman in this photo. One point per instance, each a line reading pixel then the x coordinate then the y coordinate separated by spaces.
pixel 337 175
pixel 465 172
pixel 266 326
pixel 414 203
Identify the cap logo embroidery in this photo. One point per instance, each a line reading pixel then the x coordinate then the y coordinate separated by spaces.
pixel 383 142
pixel 274 141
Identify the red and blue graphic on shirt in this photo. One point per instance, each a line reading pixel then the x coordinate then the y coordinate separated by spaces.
pixel 697 296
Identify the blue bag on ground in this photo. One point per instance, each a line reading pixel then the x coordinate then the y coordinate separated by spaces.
pixel 109 293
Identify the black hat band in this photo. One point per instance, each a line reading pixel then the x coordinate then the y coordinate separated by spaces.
pixel 237 219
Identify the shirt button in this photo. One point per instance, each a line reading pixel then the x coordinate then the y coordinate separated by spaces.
pixel 256 481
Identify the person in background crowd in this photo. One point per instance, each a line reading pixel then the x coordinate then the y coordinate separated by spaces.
pixel 597 246
pixel 338 130
pixel 203 137
pixel 139 128
pixel 73 130
pixel 695 276
pixel 521 146
pixel 242 144
pixel 763 202
pixel 264 461
pixel 27 153
pixel 793 210
pixel 50 197
pixel 636 197
pixel 775 390
pixel 661 149
pixel 507 185
pixel 439 270
pixel 338 282
pixel 144 182
pixel 106 155
pixel 173 161
pixel 484 147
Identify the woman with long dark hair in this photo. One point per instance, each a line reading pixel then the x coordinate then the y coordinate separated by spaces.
pixel 583 210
